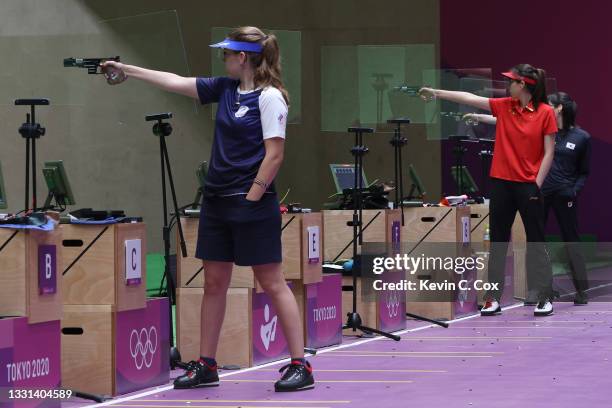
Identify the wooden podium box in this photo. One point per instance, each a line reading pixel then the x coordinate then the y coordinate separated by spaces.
pixel 105 351
pixel 297 263
pixel 380 226
pixel 94 265
pixel 436 224
pixel 235 336
pixel 251 333
pixel 30 274
pixel 338 235
pixel 94 345
pixel 441 225
pixel 240 341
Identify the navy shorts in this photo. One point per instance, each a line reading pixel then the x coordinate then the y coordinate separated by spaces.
pixel 234 229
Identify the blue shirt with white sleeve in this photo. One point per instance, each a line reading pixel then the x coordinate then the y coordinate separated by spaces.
pixel 244 120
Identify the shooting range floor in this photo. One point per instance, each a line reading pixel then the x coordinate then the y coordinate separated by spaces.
pixel 511 360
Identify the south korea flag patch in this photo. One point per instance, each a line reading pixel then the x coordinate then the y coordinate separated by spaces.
pixel 570 145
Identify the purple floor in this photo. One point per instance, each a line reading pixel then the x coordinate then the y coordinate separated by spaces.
pixel 512 360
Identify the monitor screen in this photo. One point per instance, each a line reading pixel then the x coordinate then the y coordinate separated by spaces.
pixel 416 182
pixel 57 182
pixel 468 185
pixel 344 176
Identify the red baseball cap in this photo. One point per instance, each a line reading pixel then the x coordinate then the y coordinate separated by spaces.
pixel 517 77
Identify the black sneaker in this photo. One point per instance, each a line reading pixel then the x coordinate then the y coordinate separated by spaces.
pixel 198 374
pixel 297 377
pixel 581 299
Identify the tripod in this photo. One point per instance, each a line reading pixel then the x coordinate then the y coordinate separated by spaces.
pixel 31 131
pixel 358 151
pixel 398 142
pixel 163 130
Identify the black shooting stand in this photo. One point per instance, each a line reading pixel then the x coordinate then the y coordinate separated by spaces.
pixel 31 131
pixel 398 142
pixel 354 321
pixel 162 130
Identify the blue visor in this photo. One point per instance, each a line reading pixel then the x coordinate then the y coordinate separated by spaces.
pixel 238 46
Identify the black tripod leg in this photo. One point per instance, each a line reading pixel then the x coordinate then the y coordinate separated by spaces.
pixel 91 397
pixel 398 196
pixel 175 355
pixel 180 228
pixel 425 319
pixel 27 172
pixel 382 333
pixel 34 203
pixel 401 181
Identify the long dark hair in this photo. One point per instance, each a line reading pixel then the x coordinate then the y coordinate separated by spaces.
pixel 267 65
pixel 568 113
pixel 537 91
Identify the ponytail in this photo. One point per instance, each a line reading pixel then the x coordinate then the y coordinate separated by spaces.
pixel 267 64
pixel 537 90
pixel 568 111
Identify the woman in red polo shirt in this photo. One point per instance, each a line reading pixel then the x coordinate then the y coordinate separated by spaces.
pixel 524 149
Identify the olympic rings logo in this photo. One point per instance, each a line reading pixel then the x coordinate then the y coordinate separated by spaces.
pixel 393 303
pixel 143 345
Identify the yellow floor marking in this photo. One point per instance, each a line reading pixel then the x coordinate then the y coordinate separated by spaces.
pixel 477 338
pixel 331 381
pixel 512 327
pixel 252 401
pixel 417 352
pixel 480 338
pixel 371 371
pixel 206 406
pixel 553 321
pixel 403 356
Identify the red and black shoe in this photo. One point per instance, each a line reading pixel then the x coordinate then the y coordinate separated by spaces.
pixel 491 308
pixel 297 377
pixel 198 374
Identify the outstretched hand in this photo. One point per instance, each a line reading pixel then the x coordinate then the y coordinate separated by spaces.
pixel 427 94
pixel 113 72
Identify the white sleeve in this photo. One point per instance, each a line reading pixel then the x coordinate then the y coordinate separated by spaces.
pixel 273 109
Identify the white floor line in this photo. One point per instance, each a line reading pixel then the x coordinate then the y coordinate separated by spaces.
pixel 326 350
pixel 605 285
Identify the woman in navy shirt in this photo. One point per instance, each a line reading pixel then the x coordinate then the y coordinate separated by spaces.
pixel 240 220
pixel 565 180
